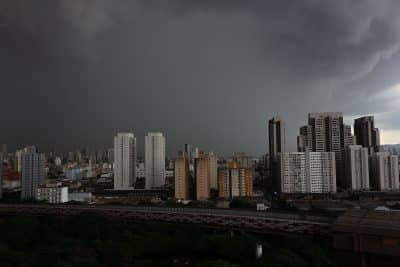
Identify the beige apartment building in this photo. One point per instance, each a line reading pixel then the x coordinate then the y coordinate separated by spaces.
pixel 202 177
pixel 182 176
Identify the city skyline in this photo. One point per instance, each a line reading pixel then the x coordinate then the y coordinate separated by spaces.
pixel 200 133
pixel 348 121
pixel 130 66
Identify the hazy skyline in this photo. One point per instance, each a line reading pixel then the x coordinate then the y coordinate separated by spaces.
pixel 208 73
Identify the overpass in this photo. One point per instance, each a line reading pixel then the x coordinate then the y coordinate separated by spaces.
pixel 260 222
pixel 364 232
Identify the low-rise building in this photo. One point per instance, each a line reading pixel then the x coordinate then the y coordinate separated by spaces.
pixel 85 197
pixel 53 193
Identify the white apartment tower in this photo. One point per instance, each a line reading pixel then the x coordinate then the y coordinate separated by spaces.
pixel 32 173
pixel 124 161
pixel 384 171
pixel 356 168
pixel 307 172
pixel 155 160
pixel 18 156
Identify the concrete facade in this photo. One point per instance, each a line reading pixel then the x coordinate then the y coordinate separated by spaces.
pixel 356 168
pixel 307 172
pixel 32 173
pixel 182 176
pixel 155 160
pixel 384 171
pixel 124 161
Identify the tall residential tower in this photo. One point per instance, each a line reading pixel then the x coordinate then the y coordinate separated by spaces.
pixel 182 176
pixel 155 160
pixel 32 173
pixel 124 161
pixel 366 133
pixel 276 135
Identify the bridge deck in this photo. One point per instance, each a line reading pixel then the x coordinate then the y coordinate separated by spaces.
pixel 263 222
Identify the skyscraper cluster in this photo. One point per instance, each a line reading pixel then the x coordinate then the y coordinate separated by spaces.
pixel 330 157
pixel 208 176
pixel 196 175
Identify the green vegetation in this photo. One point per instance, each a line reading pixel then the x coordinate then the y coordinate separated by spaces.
pixel 90 240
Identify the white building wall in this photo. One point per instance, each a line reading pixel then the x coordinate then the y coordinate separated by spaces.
pixel 356 168
pixel 384 171
pixel 32 173
pixel 308 172
pixel 235 183
pixel 155 160
pixel 293 176
pixel 124 161
pixel 53 194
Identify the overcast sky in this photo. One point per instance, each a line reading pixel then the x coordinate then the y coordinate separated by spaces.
pixel 206 72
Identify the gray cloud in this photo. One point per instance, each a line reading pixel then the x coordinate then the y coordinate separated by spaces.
pixel 205 72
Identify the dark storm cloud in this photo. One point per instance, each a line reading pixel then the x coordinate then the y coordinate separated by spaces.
pixel 205 72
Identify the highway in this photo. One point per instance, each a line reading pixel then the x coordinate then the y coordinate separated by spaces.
pixel 205 211
pixel 254 215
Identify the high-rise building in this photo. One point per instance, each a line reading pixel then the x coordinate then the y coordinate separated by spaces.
pixel 188 152
pixel 276 138
pixel 124 161
pixel 276 135
pixel 348 138
pixel 235 181
pixel 304 140
pixel 32 173
pixel 155 160
pixel 384 171
pixel 326 132
pixel 356 168
pixel 18 156
pixel 366 133
pixel 202 177
pixel 213 165
pixel 182 176
pixel 307 172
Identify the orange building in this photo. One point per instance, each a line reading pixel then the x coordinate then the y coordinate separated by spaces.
pixel 235 181
pixel 202 177
pixel 182 176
